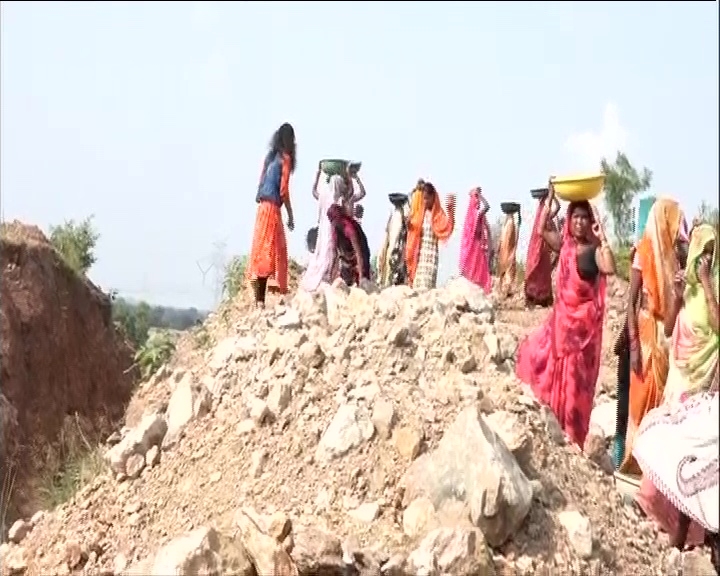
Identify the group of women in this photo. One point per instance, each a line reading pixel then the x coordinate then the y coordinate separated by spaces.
pixel 338 245
pixel 668 411
pixel 668 416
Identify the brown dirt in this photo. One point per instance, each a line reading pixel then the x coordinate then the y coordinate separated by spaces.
pixel 61 359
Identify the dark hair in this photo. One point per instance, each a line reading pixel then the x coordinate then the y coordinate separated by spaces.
pixel 583 204
pixel 283 140
pixel 427 187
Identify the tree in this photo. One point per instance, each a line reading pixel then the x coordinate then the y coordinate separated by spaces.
pixel 133 320
pixel 622 183
pixel 136 319
pixel 706 214
pixel 76 243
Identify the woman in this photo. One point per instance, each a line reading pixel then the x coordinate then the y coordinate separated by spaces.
pixel 652 273
pixel 321 260
pixel 622 351
pixel 507 263
pixel 268 256
pixel 677 450
pixel 353 198
pixel 540 262
pixel 350 198
pixel 392 270
pixel 352 262
pixel 428 225
pixel 475 245
pixel 693 363
pixel 560 360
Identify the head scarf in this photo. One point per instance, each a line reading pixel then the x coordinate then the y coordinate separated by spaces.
pixel 442 224
pixel 699 362
pixel 656 252
pixel 702 235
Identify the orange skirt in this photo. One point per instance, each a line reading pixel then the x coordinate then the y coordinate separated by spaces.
pixel 269 256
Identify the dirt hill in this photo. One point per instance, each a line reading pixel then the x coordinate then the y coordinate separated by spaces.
pixel 65 378
pixel 348 433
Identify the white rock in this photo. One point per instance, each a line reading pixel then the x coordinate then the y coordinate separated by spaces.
pixel 350 427
pixel 190 400
pixel 579 532
pixel 149 432
pixel 193 554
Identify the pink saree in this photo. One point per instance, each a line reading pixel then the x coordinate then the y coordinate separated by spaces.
pixel 475 245
pixel 560 360
pixel 539 265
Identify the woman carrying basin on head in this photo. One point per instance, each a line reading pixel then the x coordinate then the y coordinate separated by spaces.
pixel 330 193
pixel 652 310
pixel 428 224
pixel 391 266
pixel 560 360
pixel 506 258
pixel 350 198
pixel 541 260
pixel 475 245
pixel 268 259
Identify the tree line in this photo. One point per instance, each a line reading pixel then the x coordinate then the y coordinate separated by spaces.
pixel 76 242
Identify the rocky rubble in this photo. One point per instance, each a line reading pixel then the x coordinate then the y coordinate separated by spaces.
pixel 346 432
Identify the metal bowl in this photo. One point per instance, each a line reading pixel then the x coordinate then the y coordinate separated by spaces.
pixel 509 207
pixel 334 167
pixel 398 199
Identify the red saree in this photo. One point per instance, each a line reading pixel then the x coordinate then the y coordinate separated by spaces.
pixel 560 360
pixel 539 264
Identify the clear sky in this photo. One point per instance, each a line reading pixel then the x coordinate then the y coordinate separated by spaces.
pixel 155 116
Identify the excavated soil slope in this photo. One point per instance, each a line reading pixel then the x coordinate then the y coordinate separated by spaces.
pixel 64 368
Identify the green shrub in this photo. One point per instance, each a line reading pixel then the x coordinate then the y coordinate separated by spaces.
pixel 76 243
pixel 154 353
pixel 622 262
pixel 234 276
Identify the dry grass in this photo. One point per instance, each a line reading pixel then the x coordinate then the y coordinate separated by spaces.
pixel 72 464
pixel 7 491
pixel 18 233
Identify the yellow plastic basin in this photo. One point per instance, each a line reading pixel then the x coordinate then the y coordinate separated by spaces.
pixel 578 187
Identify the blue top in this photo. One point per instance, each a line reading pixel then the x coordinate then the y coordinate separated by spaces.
pixel 269 188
